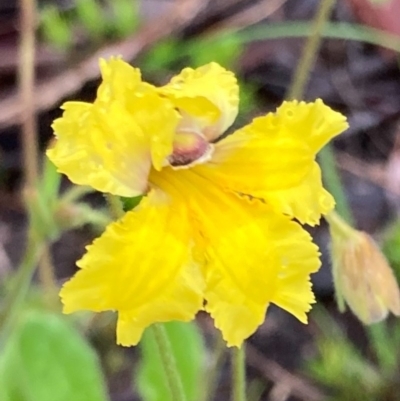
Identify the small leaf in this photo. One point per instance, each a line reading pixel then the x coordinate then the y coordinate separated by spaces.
pixel 46 359
pixel 50 181
pixel 55 27
pixel 91 15
pixel 189 352
pixel 126 16
pixel 130 203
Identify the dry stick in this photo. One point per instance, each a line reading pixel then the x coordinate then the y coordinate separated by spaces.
pixel 52 90
pixel 250 16
pixel 26 83
pixel 26 74
pixel 298 387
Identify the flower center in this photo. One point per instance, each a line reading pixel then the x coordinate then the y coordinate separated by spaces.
pixel 190 148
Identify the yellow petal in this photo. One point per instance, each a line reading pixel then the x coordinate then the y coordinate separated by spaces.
pixel 111 144
pixel 314 123
pixel 119 81
pixel 299 258
pixel 262 259
pixel 250 255
pixel 135 261
pixel 208 97
pixel 306 202
pixel 273 158
pixel 180 302
pixel 257 159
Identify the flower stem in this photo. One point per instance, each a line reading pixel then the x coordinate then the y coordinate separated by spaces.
pixel 115 206
pixel 168 360
pixel 310 50
pixel 17 294
pixel 214 371
pixel 333 183
pixel 239 374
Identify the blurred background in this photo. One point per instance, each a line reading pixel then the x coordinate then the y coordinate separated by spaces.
pixel 356 71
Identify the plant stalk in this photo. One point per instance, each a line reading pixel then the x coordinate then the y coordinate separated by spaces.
pixel 239 374
pixel 20 286
pixel 169 363
pixel 310 50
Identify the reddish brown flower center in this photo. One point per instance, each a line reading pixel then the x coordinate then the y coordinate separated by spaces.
pixel 189 148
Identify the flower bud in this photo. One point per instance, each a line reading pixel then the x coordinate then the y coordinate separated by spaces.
pixel 362 276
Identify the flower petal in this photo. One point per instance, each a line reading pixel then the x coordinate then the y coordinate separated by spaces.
pixel 278 256
pixel 282 276
pixel 256 159
pixel 208 97
pixel 135 261
pixel 180 302
pixel 248 252
pixel 299 258
pixel 111 144
pixel 277 152
pixel 305 202
pixel 314 123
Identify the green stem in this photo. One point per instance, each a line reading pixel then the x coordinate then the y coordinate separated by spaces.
pixel 115 206
pixel 75 193
pixel 333 182
pixel 310 50
pixel 168 361
pixel 211 380
pixel 239 374
pixel 20 286
pixel 46 274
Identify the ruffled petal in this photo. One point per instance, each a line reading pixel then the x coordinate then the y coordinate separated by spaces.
pixel 111 144
pixel 257 159
pixel 180 302
pixel 249 255
pixel 281 274
pixel 305 202
pixel 207 96
pixel 299 258
pixel 136 260
pixel 314 123
pixel 251 268
pixel 273 158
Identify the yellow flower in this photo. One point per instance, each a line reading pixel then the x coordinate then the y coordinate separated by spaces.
pixel 214 230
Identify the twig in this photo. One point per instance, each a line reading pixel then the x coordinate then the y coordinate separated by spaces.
pixel 275 373
pixel 25 97
pixel 26 70
pixel 250 16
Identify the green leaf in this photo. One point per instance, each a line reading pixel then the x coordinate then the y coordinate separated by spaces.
pixel 189 352
pixel 46 359
pixel 162 55
pixel 50 181
pixel 126 16
pixel 333 30
pixel 91 15
pixel 55 27
pixel 224 50
pixel 130 203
